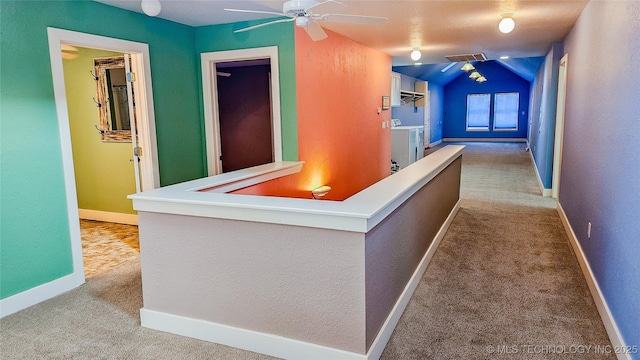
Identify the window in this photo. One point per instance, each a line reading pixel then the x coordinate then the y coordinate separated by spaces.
pixel 505 113
pixel 478 111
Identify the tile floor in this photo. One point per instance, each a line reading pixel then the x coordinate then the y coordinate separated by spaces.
pixel 107 245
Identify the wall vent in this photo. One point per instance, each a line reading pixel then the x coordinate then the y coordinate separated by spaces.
pixel 466 57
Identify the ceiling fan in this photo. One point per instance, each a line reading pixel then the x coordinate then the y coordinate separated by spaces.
pixel 300 12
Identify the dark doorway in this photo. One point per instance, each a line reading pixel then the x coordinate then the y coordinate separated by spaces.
pixel 244 106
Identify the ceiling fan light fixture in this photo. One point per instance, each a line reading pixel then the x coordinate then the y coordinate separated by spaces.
pixel 416 55
pixel 301 12
pixel 467 67
pixel 151 7
pixel 507 24
pixel 302 21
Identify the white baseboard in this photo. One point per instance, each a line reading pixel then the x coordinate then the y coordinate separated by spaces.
pixel 288 348
pixel 607 318
pixel 435 143
pixel 509 140
pixel 545 192
pixel 38 294
pixel 129 219
pixel 250 340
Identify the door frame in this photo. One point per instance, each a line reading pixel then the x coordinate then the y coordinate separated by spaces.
pixel 210 100
pixel 427 120
pixel 144 114
pixel 559 131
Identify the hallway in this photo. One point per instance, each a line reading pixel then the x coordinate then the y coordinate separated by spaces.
pixel 504 277
pixel 504 283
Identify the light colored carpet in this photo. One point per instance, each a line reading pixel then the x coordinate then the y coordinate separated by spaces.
pixel 504 282
pixel 100 320
pixel 496 174
pixel 504 275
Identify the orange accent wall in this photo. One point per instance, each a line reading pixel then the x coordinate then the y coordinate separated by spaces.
pixel 339 88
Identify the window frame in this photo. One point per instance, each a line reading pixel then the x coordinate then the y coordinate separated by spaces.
pixel 495 111
pixel 479 128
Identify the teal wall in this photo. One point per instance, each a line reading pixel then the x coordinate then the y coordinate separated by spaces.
pixel 34 239
pixel 221 37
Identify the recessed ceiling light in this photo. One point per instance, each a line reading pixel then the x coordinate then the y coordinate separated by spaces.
pixel 416 55
pixel 417 64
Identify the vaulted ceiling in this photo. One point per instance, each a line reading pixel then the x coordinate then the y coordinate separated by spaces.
pixel 436 27
pixel 442 74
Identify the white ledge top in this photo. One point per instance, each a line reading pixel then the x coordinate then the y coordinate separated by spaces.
pixel 360 212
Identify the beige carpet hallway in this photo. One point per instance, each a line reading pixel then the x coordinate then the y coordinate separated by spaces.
pixel 504 284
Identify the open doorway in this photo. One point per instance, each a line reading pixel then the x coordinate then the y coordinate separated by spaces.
pixel 247 81
pixel 244 113
pixel 102 130
pixel 144 115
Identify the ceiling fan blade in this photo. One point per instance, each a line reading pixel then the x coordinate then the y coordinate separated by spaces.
pixel 315 31
pixel 256 12
pixel 264 24
pixel 324 2
pixel 353 19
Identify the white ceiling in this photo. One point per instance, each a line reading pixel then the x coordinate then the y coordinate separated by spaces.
pixel 436 27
